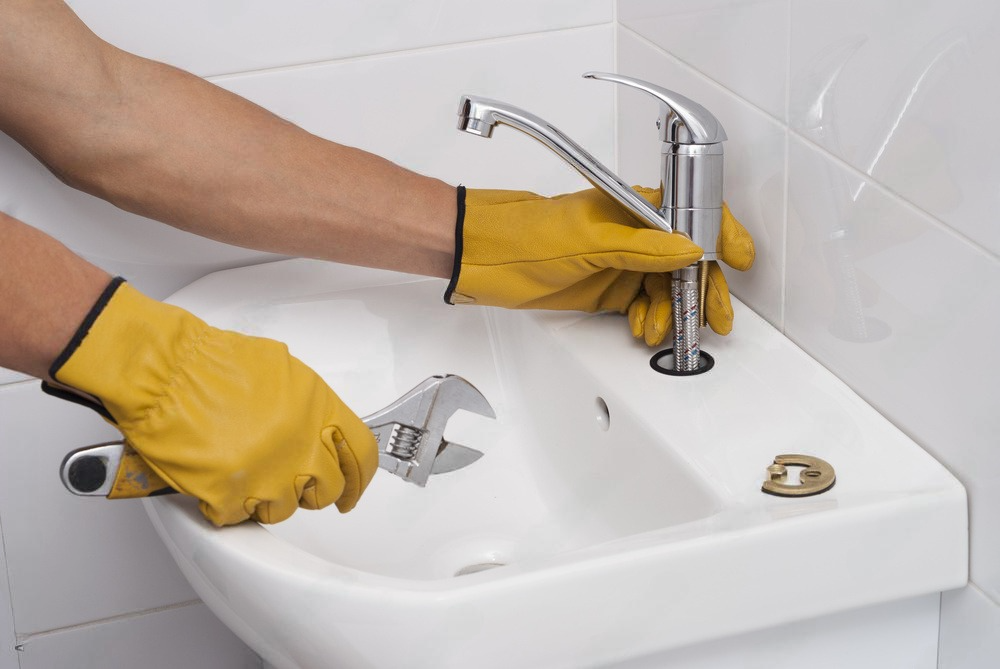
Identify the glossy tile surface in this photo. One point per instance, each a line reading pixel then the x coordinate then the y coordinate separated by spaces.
pixel 392 107
pixel 754 160
pixel 741 44
pixel 8 637
pixel 187 636
pixel 893 302
pixel 969 624
pixel 240 35
pixel 71 559
pixel 913 102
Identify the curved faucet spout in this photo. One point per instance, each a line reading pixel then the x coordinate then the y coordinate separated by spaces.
pixel 479 116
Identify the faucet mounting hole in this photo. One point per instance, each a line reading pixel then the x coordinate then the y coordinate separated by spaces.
pixel 663 362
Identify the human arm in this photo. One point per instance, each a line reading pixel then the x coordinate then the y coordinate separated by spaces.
pixel 163 143
pixel 166 144
pixel 45 292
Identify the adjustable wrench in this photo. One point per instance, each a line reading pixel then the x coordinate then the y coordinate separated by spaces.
pixel 409 433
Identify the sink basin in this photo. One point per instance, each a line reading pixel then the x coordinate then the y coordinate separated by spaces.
pixel 617 511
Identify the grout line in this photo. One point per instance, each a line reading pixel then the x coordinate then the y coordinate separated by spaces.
pixel 615 107
pixel 783 299
pixel 18 382
pixel 894 196
pixel 783 291
pixel 971 585
pixel 987 596
pixel 10 594
pixel 413 51
pixel 692 70
pixel 940 619
pixel 840 162
pixel 22 639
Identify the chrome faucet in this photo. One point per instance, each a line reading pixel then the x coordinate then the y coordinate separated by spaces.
pixel 690 180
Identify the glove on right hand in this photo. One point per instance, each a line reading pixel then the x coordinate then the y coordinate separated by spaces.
pixel 233 420
pixel 651 313
pixel 580 251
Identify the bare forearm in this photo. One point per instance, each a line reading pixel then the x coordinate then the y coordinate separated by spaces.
pixel 45 293
pixel 163 143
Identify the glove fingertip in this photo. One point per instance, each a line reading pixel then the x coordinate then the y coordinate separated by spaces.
pixel 654 338
pixel 735 245
pixel 718 307
pixel 649 251
pixel 637 315
pixel 658 324
pixel 219 517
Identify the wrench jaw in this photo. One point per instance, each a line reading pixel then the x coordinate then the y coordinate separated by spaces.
pixel 410 431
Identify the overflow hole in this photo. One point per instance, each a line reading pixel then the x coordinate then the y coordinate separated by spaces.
pixel 603 414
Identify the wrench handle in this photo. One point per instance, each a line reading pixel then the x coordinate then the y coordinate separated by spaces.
pixel 113 470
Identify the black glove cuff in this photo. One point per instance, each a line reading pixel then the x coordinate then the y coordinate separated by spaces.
pixel 88 322
pixel 459 228
pixel 65 392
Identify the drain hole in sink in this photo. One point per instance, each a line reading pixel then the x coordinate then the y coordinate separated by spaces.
pixel 663 362
pixel 476 568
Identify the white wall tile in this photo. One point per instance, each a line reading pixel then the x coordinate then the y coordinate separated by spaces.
pixel 742 44
pixel 404 106
pixel 754 161
pixel 228 36
pixel 970 630
pixel 71 559
pixel 913 100
pixel 900 307
pixel 186 636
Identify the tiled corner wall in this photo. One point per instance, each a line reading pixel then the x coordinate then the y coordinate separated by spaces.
pixel 90 584
pixel 863 157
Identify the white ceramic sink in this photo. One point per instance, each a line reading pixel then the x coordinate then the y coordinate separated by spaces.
pixel 617 512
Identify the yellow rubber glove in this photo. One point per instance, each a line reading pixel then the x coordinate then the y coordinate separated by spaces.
pixel 651 313
pixel 580 251
pixel 232 420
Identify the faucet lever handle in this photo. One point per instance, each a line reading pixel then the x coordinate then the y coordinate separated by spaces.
pixel 682 120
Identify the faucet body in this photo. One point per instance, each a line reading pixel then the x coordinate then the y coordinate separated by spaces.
pixel 690 180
